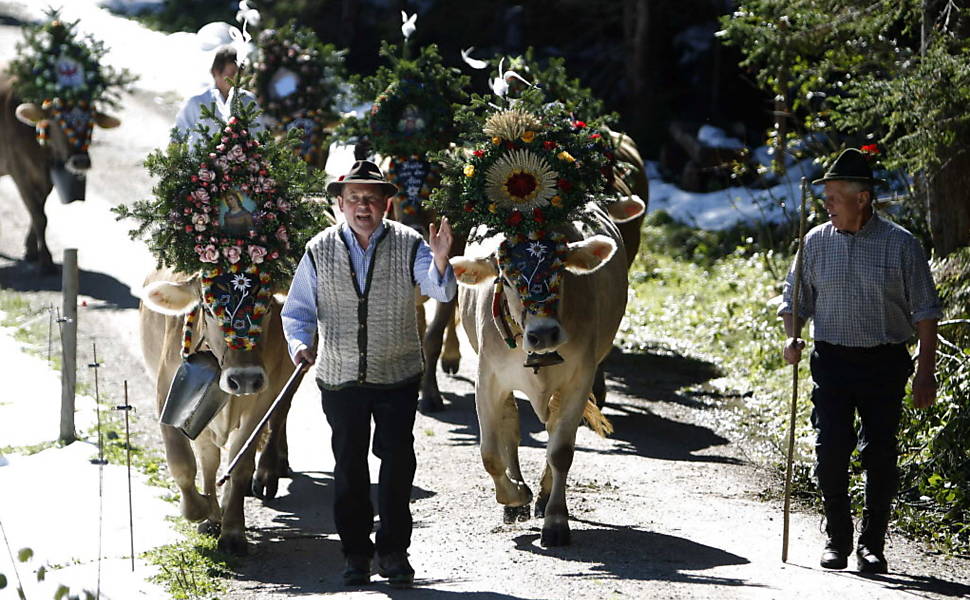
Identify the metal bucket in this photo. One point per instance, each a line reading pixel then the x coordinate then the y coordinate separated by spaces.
pixel 70 186
pixel 195 396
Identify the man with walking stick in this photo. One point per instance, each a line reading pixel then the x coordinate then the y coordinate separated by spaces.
pixel 866 284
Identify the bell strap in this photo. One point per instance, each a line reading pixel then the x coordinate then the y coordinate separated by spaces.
pixel 500 312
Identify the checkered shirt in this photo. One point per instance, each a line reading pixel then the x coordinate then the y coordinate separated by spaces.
pixel 865 289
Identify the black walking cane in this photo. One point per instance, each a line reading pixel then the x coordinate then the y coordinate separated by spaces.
pixel 794 373
pixel 288 390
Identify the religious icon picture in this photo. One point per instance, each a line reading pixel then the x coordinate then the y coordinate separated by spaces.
pixel 236 213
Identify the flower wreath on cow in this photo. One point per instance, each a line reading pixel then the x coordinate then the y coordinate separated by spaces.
pixel 531 168
pixel 412 115
pixel 297 80
pixel 236 211
pixel 60 79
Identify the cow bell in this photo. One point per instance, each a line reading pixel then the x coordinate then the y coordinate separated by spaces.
pixel 195 397
pixel 70 186
pixel 537 360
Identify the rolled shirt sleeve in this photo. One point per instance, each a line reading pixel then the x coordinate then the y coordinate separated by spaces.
pixel 923 299
pixel 299 313
pixel 440 286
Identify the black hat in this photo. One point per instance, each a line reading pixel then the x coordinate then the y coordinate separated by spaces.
pixel 851 165
pixel 363 171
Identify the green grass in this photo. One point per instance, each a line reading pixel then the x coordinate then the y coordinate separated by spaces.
pixel 192 567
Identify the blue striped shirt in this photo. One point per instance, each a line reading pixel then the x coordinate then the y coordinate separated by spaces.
pixel 300 310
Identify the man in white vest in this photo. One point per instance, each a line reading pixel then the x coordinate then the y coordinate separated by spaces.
pixel 354 289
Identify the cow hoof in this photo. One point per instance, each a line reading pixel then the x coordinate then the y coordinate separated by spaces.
pixel 234 545
pixel 450 365
pixel 265 488
pixel 555 536
pixel 511 514
pixel 540 511
pixel 431 403
pixel 210 528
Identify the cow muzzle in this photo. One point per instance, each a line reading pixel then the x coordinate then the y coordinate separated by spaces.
pixel 543 335
pixel 243 380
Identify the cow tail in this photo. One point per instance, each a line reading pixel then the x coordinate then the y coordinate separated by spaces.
pixel 595 419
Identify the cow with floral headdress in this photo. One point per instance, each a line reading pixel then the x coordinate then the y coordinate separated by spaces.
pixel 51 97
pixel 542 290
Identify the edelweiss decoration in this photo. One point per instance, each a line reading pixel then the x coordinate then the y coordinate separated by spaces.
pixel 534 264
pixel 62 72
pixel 297 80
pixel 412 115
pixel 233 210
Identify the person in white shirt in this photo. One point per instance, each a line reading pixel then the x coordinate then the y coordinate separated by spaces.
pixel 220 97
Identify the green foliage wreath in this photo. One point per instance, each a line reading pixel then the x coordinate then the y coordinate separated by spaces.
pixel 190 223
pixel 413 103
pixel 54 61
pixel 530 167
pixel 295 56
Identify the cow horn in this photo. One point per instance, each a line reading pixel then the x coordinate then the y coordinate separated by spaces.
pixel 29 113
pixel 106 121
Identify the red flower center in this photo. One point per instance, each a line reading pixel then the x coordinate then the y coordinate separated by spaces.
pixel 520 185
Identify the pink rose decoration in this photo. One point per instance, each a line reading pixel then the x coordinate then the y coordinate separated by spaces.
pixel 207 253
pixel 281 234
pixel 201 195
pixel 200 220
pixel 257 253
pixel 236 153
pixel 206 175
pixel 284 205
pixel 232 254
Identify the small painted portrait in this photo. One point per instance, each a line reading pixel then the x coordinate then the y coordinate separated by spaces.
pixel 411 121
pixel 235 213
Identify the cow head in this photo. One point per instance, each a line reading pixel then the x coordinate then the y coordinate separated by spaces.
pixel 66 128
pixel 234 308
pixel 531 271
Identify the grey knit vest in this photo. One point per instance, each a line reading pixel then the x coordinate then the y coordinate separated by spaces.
pixel 368 339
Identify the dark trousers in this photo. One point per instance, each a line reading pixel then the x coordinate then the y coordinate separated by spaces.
pixel 870 382
pixel 349 412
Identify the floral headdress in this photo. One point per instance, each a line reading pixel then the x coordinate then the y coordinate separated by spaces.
pixel 297 80
pixel 412 115
pixel 60 71
pixel 234 209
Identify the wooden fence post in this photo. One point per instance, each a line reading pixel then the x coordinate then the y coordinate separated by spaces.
pixel 69 290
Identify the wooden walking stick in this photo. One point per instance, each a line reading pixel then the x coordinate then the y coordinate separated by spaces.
pixel 794 373
pixel 288 390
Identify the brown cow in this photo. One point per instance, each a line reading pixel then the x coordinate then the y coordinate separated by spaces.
pixel 591 302
pixel 36 168
pixel 253 378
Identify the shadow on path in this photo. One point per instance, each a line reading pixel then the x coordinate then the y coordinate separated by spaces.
pixel 605 552
pixel 660 376
pixel 21 276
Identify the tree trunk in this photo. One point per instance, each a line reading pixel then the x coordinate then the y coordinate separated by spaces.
pixel 636 29
pixel 948 204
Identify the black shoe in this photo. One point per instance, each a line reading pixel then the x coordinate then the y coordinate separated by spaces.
pixel 357 571
pixel 870 560
pixel 834 556
pixel 396 568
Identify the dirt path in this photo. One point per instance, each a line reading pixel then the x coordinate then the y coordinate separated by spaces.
pixel 665 508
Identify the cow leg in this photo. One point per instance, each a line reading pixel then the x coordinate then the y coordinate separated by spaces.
pixel 498 419
pixel 274 461
pixel 443 319
pixel 545 487
pixel 232 540
pixel 209 457
pixel 599 387
pixel 36 243
pixel 181 463
pixel 451 357
pixel 559 457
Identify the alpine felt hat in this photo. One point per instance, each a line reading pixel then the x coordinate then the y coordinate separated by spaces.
pixel 363 171
pixel 851 165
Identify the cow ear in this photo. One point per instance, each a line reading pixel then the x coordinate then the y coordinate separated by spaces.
pixel 473 271
pixel 590 254
pixel 170 297
pixel 106 121
pixel 626 209
pixel 29 113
